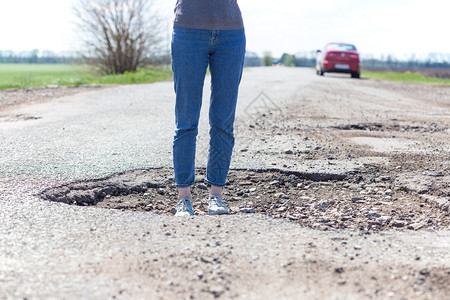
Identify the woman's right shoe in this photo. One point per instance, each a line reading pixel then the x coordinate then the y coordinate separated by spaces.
pixel 184 207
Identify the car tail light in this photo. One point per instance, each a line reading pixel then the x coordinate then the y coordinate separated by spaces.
pixel 354 55
pixel 330 55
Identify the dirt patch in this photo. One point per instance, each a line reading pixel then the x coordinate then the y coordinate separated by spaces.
pixel 17 117
pixel 366 200
pixel 12 98
pixel 433 127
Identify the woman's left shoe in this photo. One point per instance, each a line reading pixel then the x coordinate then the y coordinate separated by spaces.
pixel 216 206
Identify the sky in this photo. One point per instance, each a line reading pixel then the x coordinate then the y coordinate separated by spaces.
pixel 377 27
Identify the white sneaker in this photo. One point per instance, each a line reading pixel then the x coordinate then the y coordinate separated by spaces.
pixel 216 206
pixel 184 207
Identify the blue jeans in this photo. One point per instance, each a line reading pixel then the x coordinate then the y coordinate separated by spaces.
pixel 193 50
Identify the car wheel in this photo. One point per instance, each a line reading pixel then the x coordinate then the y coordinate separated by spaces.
pixel 320 72
pixel 356 75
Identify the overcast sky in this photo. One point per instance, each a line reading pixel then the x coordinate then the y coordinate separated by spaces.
pixel 376 27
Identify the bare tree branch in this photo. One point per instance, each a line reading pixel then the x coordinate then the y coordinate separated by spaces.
pixel 118 35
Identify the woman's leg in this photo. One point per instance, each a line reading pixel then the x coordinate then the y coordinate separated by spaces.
pixel 226 65
pixel 216 190
pixel 190 50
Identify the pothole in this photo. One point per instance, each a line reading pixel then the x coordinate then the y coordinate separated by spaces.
pixel 365 200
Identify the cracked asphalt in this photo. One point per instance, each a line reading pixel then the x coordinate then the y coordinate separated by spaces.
pixel 60 251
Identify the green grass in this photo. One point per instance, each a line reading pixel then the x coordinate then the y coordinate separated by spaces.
pixel 34 75
pixel 141 76
pixel 407 76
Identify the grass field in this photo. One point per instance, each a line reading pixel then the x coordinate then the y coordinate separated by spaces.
pixel 33 75
pixel 411 77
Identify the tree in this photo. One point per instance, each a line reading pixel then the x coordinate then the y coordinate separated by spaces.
pixel 118 35
pixel 288 60
pixel 267 59
pixel 33 56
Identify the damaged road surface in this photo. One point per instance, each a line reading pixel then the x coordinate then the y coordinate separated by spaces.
pixel 339 189
pixel 332 204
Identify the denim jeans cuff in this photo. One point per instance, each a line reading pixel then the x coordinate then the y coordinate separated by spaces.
pixel 215 184
pixel 184 185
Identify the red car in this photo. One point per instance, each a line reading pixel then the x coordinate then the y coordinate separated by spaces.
pixel 338 58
